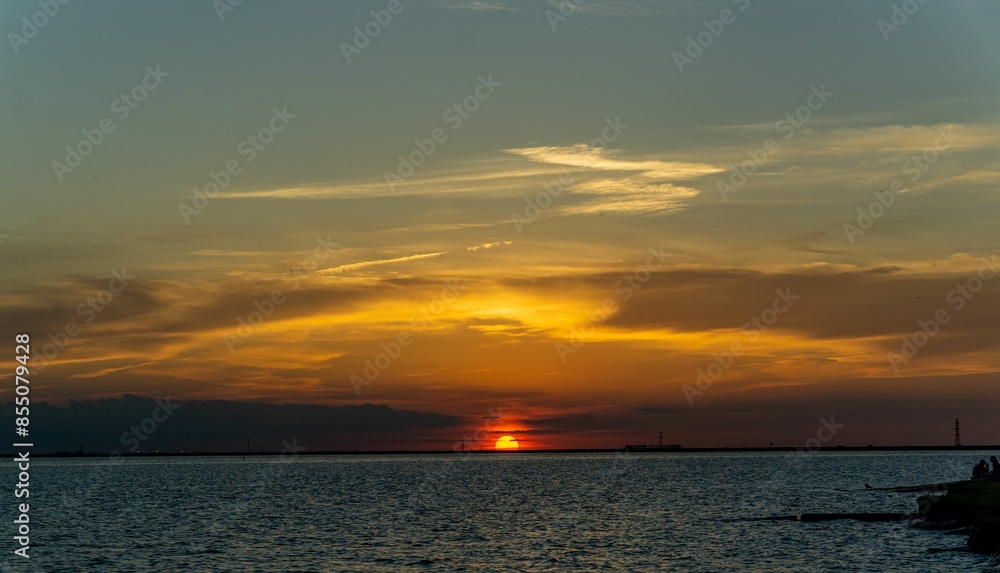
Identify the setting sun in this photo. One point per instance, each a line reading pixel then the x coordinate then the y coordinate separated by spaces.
pixel 506 443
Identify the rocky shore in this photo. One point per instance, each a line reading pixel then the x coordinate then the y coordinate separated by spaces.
pixel 974 505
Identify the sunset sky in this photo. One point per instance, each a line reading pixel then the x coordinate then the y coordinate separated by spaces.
pixel 573 252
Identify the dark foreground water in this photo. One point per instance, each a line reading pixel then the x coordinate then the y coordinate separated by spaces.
pixel 510 512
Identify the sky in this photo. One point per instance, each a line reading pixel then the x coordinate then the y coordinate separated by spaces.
pixel 738 222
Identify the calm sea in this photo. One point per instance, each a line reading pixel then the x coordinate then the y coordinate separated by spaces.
pixel 511 512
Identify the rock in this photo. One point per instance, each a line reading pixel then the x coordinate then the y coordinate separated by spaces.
pixel 975 505
pixel 985 536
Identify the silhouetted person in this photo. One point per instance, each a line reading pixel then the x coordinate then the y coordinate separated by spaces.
pixel 996 465
pixel 981 469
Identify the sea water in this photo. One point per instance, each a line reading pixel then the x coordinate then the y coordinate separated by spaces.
pixel 487 512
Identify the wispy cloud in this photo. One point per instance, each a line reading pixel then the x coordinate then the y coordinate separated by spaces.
pixel 107 371
pixel 645 7
pixel 364 264
pixel 489 245
pixel 484 178
pixel 230 253
pixel 816 139
pixel 435 227
pixel 478 5
pixel 631 196
pixel 595 7
pixel 585 156
pixel 645 185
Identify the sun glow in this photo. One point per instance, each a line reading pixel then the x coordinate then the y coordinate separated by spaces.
pixel 506 443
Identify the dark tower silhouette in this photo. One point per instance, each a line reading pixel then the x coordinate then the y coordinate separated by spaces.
pixel 958 435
